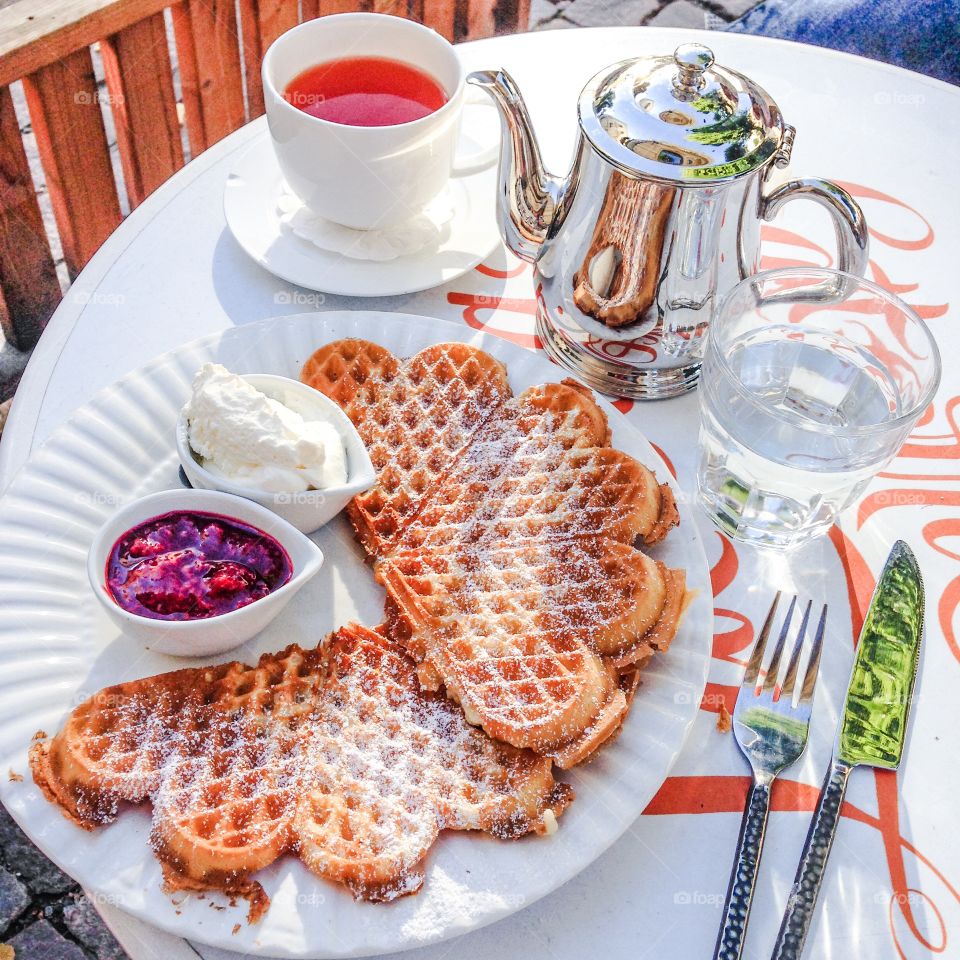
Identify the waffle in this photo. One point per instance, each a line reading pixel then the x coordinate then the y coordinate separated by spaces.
pixel 518 588
pixel 414 416
pixel 335 754
pixel 543 467
pixel 531 639
pixel 512 576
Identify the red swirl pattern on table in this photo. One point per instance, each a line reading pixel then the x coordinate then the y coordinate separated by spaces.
pixel 918 482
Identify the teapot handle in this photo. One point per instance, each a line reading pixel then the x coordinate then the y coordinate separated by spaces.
pixel 848 222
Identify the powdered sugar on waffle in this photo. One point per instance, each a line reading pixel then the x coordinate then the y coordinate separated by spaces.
pixel 337 755
pixel 518 575
pixel 414 416
pixel 517 638
pixel 539 468
pixel 333 754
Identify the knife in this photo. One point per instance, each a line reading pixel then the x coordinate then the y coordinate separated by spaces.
pixel 872 729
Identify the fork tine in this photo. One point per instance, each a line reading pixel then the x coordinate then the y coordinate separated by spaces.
pixel 756 658
pixel 786 689
pixel 813 667
pixel 774 667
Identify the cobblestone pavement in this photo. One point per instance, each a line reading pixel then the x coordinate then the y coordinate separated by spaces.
pixel 696 14
pixel 44 915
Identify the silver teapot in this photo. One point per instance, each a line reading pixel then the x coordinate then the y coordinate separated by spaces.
pixel 658 218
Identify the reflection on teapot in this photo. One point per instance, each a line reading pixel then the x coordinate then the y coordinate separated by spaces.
pixel 616 282
pixel 658 217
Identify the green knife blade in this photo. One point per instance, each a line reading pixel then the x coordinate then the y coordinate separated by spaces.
pixel 874 723
pixel 872 730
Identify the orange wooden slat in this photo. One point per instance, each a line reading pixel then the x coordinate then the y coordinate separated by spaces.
pixel 140 82
pixel 189 78
pixel 215 35
pixel 343 6
pixel 252 55
pixel 309 10
pixel 68 125
pixel 440 15
pixel 262 21
pixel 397 8
pixel 276 17
pixel 480 20
pixel 39 32
pixel 28 278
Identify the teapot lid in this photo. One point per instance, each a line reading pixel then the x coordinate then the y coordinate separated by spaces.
pixel 682 118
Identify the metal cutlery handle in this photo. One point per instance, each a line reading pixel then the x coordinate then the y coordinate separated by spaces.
pixel 816 849
pixel 736 909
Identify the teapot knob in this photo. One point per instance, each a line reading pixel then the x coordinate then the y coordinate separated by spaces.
pixel 692 59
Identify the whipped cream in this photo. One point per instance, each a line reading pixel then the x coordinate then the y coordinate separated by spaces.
pixel 248 438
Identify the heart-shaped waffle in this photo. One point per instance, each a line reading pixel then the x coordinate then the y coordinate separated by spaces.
pixel 531 639
pixel 514 582
pixel 335 754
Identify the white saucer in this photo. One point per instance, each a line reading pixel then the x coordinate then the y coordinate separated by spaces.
pixel 250 204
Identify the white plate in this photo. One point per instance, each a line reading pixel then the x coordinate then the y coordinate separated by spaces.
pixel 57 647
pixel 250 206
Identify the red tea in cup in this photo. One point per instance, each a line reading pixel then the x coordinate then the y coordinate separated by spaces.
pixel 365 92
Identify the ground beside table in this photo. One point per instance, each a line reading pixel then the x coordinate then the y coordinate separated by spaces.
pixel 125 309
pixel 695 14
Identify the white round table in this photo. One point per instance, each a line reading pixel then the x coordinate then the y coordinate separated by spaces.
pixel 172 272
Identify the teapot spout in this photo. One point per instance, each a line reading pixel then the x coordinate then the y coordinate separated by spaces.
pixel 529 196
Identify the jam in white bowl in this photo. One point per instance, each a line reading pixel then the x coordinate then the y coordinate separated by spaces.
pixel 197 572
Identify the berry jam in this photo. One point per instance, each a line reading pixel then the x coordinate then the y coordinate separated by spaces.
pixel 189 566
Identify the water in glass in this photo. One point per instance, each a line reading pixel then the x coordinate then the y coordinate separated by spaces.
pixel 796 418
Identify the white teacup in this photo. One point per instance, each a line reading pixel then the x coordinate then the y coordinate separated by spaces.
pixel 363 177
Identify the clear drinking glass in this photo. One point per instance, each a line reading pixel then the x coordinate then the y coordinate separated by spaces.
pixel 811 381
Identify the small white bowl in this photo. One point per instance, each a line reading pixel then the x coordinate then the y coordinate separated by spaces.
pixel 307 510
pixel 197 638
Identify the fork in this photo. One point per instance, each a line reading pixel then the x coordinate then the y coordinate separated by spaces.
pixel 772 733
